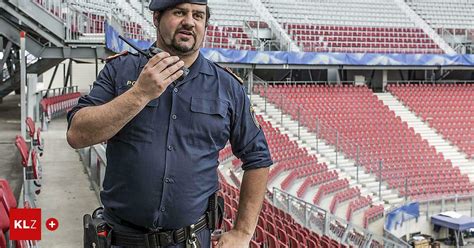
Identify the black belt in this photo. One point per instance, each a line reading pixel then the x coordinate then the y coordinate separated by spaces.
pixel 159 238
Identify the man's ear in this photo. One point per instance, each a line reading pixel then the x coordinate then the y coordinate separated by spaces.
pixel 156 17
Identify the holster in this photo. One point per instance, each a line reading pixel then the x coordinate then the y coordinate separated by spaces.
pixel 215 211
pixel 97 234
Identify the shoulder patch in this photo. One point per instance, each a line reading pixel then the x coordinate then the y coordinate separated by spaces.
pixel 228 70
pixel 254 117
pixel 116 56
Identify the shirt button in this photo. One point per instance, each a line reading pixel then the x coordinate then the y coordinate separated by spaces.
pixel 170 148
pixel 167 180
pixel 162 209
pixel 174 117
pixel 175 90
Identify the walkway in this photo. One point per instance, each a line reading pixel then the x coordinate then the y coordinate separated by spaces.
pixel 66 194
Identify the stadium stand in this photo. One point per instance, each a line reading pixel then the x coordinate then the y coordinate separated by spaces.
pixel 351 26
pixel 454 14
pixel 380 135
pixel 445 107
pixel 232 25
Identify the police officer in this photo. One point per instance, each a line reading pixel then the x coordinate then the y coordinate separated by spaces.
pixel 164 135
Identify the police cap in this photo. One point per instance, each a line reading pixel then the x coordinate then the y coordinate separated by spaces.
pixel 158 5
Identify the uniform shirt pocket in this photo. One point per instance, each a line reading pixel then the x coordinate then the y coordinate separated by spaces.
pixel 209 106
pixel 209 121
pixel 140 128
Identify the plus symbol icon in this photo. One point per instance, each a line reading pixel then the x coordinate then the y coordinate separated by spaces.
pixel 52 224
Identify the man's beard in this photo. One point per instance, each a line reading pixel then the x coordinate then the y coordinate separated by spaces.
pixel 183 49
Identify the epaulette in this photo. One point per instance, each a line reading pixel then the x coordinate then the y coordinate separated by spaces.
pixel 116 56
pixel 227 69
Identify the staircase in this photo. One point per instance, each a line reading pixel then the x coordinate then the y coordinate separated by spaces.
pixel 426 28
pixel 12 83
pixel 275 26
pixel 45 39
pixel 434 139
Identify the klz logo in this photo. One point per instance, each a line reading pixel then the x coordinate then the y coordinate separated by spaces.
pixel 25 224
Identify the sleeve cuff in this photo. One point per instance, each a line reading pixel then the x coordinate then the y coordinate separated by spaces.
pixel 256 160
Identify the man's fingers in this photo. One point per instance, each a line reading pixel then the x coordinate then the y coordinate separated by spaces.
pixel 165 63
pixel 157 58
pixel 172 70
pixel 172 78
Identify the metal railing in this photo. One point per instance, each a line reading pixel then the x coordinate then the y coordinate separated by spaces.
pixel 324 223
pixel 425 82
pixel 95 164
pixel 84 20
pixel 57 91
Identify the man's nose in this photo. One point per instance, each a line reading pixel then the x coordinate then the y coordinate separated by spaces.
pixel 188 21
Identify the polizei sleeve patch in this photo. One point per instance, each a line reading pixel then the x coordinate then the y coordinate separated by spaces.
pixel 116 56
pixel 227 69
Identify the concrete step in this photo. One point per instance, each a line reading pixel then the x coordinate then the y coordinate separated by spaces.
pixel 442 145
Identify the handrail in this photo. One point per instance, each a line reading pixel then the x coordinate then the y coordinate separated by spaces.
pixel 95 163
pixel 57 91
pixel 312 211
pixel 28 63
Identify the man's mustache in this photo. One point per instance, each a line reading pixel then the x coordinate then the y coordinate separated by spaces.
pixel 186 31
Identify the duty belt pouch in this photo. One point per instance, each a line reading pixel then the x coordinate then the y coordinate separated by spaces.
pixel 97 234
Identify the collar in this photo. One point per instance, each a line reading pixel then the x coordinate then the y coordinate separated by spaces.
pixel 205 65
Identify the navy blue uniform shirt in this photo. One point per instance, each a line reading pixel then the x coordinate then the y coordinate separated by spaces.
pixel 162 165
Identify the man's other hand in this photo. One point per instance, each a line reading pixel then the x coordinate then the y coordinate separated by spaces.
pixel 232 239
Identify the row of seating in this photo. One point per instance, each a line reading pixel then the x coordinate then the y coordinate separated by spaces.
pixel 32 170
pixel 357 204
pixel 316 180
pixel 329 188
pixel 57 105
pixel 445 14
pixel 8 202
pixel 372 214
pixel 308 26
pixel 343 196
pixel 303 172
